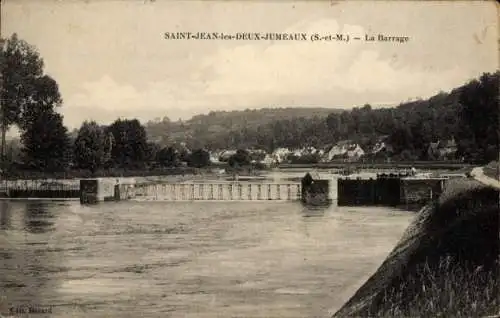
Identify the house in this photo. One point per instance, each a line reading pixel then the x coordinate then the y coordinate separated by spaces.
pixel 448 148
pixel 226 154
pixel 268 160
pixel 280 154
pixel 354 151
pixel 214 156
pixel 442 150
pixel 309 151
pixel 297 152
pixel 339 150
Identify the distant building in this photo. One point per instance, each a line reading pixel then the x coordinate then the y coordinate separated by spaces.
pixel 226 154
pixel 442 150
pixel 448 148
pixel 354 152
pixel 279 155
pixel 214 157
pixel 345 150
pixel 268 160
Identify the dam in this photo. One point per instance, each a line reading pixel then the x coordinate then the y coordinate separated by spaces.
pixel 386 190
pixel 222 191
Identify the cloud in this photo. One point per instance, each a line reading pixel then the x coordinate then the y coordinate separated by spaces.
pixel 105 94
pixel 258 74
pixel 305 68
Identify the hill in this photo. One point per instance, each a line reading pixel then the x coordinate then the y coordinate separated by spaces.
pixel 208 129
pixel 459 124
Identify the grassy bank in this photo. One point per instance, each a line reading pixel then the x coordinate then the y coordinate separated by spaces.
pixel 446 263
pixel 449 291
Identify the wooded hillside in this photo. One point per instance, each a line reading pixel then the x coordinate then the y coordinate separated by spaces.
pixel 468 114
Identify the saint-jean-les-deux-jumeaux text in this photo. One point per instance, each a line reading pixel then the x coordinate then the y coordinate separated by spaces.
pixel 258 36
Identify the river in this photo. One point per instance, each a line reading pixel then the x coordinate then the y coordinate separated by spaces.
pixel 190 259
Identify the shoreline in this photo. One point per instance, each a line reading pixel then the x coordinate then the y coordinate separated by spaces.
pixel 221 171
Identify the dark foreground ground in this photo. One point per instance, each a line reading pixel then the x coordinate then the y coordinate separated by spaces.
pixel 445 265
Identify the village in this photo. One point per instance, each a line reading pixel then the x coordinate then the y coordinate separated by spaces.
pixel 343 151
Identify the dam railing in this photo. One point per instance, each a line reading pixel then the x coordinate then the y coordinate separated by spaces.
pixel 213 191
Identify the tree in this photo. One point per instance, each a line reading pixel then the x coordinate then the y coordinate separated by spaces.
pixel 167 157
pixel 152 151
pixel 13 151
pixel 240 159
pixel 199 158
pixel 90 147
pixel 479 117
pixel 46 144
pixel 22 84
pixel 109 143
pixel 130 142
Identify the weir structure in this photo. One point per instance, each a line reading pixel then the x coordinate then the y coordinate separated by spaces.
pixel 211 191
pixel 91 191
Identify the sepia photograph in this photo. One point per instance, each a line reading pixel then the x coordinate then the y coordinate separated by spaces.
pixel 249 159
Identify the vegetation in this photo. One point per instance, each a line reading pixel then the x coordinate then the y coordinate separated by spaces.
pixel 168 157
pixel 240 159
pixel 46 144
pixel 468 114
pixel 446 264
pixel 30 99
pixel 91 151
pixel 222 130
pixel 129 145
pixel 467 293
pixel 199 158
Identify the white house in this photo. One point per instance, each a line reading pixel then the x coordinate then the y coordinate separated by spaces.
pixel 343 149
pixel 268 160
pixel 354 151
pixel 338 150
pixel 279 155
pixel 226 154
pixel 214 157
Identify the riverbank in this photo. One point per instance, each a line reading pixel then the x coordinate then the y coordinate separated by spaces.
pixel 446 263
pixel 492 170
pixel 110 173
pixel 223 169
pixel 427 165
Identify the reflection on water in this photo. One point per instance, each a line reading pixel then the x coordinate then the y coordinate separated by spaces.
pixel 5 210
pixel 38 218
pixel 182 259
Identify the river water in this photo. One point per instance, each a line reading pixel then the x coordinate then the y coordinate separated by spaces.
pixel 189 259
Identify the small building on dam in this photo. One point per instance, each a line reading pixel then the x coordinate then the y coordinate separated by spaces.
pixel 389 190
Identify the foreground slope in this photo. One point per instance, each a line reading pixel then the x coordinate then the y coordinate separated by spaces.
pixel 446 263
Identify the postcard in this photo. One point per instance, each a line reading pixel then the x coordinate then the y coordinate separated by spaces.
pixel 249 158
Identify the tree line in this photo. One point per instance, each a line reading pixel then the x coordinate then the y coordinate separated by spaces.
pixel 468 114
pixel 30 100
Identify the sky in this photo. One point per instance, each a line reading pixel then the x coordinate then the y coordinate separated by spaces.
pixel 111 60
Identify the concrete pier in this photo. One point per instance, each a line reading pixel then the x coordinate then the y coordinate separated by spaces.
pixel 97 190
pixel 315 191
